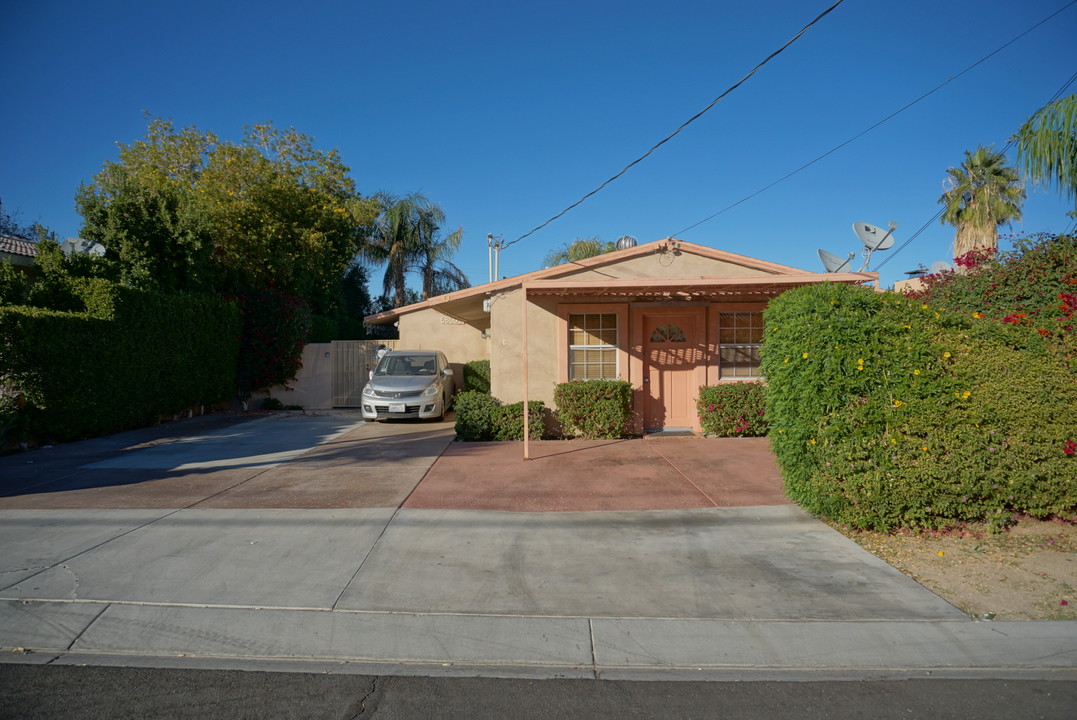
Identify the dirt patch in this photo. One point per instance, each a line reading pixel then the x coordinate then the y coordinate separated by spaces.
pixel 1026 573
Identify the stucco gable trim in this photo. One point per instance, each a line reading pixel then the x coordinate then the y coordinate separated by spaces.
pixel 610 258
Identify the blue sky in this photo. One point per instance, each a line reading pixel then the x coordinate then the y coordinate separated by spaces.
pixel 505 114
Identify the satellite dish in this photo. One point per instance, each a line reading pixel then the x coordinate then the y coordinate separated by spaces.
pixel 73 246
pixel 835 263
pixel 626 241
pixel 941 266
pixel 875 238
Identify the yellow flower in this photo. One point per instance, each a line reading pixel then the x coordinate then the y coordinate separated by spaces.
pixel 924 448
pixel 859 367
pixel 812 441
pixel 915 372
pixel 898 403
pixel 923 307
pixel 965 394
pixel 893 440
pixel 787 359
pixel 977 315
pixel 946 354
pixel 906 327
pixel 804 355
pixel 937 315
pixel 860 361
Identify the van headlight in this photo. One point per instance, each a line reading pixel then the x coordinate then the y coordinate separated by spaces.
pixel 369 392
pixel 431 390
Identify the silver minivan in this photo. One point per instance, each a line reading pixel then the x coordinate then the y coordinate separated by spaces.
pixel 409 384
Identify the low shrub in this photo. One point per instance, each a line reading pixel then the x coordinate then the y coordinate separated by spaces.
pixel 477 376
pixel 475 415
pixel 733 410
pixel 594 409
pixel 508 421
pixel 888 412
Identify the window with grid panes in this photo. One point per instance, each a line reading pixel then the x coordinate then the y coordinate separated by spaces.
pixel 592 346
pixel 740 335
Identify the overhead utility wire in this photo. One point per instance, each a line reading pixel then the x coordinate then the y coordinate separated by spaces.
pixel 1058 93
pixel 683 125
pixel 866 131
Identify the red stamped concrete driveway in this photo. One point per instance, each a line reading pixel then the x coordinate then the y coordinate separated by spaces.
pixel 582 475
pixel 331 461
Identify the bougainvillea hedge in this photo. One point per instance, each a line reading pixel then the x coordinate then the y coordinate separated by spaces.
pixel 886 411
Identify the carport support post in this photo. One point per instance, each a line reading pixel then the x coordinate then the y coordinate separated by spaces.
pixel 523 328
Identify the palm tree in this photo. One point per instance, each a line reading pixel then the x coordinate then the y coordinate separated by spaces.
pixel 981 195
pixel 578 249
pixel 431 258
pixel 405 238
pixel 1047 147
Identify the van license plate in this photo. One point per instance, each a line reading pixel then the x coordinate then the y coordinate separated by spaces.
pixel 397 408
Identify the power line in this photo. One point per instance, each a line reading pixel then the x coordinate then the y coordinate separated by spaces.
pixel 869 129
pixel 683 125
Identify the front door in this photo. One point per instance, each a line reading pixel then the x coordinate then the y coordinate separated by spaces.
pixel 671 354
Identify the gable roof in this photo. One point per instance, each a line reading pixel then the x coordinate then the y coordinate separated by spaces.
pixel 558 279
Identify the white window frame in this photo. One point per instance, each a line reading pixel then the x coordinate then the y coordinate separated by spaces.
pixel 722 345
pixel 609 347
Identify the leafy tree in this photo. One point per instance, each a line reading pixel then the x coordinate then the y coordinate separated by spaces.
pixel 146 210
pixel 1047 147
pixel 406 238
pixel 183 210
pixel 981 194
pixel 578 249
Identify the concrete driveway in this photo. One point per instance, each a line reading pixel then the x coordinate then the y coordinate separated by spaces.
pixel 324 538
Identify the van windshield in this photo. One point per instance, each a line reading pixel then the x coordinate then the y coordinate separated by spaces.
pixel 407 365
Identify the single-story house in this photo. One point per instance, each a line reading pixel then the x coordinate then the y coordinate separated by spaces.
pixel 667 316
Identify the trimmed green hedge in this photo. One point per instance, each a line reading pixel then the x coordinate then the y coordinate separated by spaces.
pixel 126 359
pixel 477 376
pixel 481 417
pixel 594 409
pixel 888 412
pixel 475 415
pixel 508 421
pixel 733 410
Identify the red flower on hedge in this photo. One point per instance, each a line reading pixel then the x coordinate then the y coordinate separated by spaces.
pixel 1070 448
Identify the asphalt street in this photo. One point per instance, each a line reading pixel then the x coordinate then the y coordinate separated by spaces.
pixel 103 693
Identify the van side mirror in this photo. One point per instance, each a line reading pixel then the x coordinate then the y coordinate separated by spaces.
pixel 370 375
pixel 447 371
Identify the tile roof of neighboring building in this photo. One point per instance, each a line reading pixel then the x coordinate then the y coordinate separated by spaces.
pixel 17 246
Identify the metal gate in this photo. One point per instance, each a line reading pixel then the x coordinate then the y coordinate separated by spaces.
pixel 352 362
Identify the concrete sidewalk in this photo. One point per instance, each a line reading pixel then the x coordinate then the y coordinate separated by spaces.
pixel 321 542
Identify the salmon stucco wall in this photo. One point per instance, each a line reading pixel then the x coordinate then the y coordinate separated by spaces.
pixel 506 344
pixel 312 386
pixel 429 329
